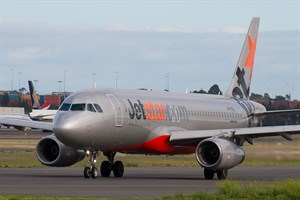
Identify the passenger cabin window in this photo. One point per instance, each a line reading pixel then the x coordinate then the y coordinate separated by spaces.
pixel 65 107
pixel 78 107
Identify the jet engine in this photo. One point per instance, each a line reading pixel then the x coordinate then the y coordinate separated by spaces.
pixel 219 154
pixel 51 152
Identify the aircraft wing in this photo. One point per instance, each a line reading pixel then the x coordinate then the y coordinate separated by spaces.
pixel 189 137
pixel 277 112
pixel 25 122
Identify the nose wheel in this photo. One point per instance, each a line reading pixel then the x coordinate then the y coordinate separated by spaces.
pixel 91 171
pixel 88 172
pixel 107 166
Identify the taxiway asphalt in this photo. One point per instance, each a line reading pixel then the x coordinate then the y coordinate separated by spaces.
pixel 136 182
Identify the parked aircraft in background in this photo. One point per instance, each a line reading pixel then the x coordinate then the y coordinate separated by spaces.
pixel 40 113
pixel 213 127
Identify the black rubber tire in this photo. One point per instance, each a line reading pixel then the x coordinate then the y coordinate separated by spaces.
pixel 94 172
pixel 87 172
pixel 222 174
pixel 118 169
pixel 209 174
pixel 105 169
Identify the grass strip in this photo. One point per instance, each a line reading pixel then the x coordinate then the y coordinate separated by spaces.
pixel 28 158
pixel 282 190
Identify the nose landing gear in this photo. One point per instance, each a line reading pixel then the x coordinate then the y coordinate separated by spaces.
pixel 92 170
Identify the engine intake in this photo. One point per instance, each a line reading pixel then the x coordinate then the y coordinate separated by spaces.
pixel 219 154
pixel 51 152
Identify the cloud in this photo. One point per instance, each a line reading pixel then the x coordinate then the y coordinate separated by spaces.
pixel 26 55
pixel 20 26
pixel 161 55
pixel 39 27
pixel 233 29
pixel 119 27
pixel 196 57
pixel 174 28
pixel 180 28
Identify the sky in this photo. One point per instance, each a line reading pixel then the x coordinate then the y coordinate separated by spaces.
pixel 138 42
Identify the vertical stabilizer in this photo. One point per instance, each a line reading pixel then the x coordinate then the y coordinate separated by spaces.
pixel 34 99
pixel 240 85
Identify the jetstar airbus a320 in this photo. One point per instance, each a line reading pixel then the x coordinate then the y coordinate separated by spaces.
pixel 212 127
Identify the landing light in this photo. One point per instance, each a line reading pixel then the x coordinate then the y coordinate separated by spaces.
pixel 88 152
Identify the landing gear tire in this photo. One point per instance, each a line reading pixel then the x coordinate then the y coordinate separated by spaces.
pixel 110 165
pixel 118 169
pixel 222 174
pixel 105 169
pixel 209 174
pixel 87 172
pixel 94 172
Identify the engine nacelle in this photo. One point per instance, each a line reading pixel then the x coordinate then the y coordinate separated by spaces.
pixel 219 154
pixel 51 152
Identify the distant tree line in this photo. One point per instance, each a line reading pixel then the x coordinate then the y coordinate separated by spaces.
pixel 212 90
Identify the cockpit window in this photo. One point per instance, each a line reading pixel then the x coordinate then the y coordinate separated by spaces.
pixel 81 107
pixel 90 107
pixel 78 107
pixel 98 108
pixel 65 107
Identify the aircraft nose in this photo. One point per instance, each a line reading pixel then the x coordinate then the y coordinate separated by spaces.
pixel 65 129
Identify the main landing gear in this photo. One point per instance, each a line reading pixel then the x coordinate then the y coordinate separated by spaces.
pixel 106 166
pixel 221 174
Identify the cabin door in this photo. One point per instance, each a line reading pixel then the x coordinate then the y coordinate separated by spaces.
pixel 117 109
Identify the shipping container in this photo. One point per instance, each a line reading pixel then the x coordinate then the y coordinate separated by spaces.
pixel 54 100
pixel 13 97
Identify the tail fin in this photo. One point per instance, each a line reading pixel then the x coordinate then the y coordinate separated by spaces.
pixel 34 99
pixel 240 85
pixel 46 105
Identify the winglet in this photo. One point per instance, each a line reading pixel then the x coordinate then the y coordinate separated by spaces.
pixel 240 85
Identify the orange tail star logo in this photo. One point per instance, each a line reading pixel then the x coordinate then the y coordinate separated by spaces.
pixel 250 58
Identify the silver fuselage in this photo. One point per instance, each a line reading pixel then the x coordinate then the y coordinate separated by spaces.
pixel 131 118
